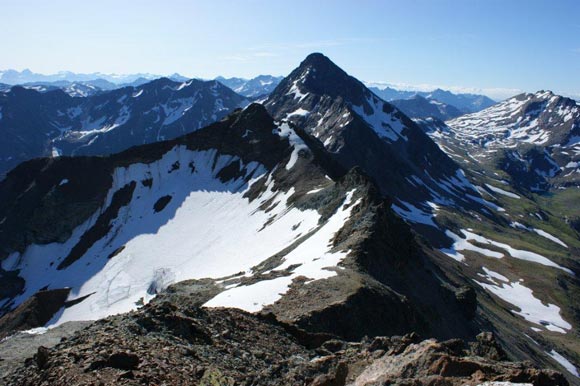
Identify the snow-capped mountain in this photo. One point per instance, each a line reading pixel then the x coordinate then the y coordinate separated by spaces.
pixel 535 138
pixel 419 107
pixel 257 87
pixel 326 209
pixel 35 124
pixel 74 89
pixel 466 103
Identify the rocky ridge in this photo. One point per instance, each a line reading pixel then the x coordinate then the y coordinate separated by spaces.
pixel 232 347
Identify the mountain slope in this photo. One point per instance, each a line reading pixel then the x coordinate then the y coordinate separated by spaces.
pixel 34 124
pixel 171 341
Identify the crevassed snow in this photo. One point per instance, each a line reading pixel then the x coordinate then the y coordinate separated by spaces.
pixel 35 331
pixel 564 362
pixel 501 191
pixel 460 244
pixel 285 131
pixel 313 257
pixel 531 308
pixel 197 235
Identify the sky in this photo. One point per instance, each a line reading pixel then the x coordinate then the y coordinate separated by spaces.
pixel 496 47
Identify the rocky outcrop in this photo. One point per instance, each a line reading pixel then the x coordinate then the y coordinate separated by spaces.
pixel 177 343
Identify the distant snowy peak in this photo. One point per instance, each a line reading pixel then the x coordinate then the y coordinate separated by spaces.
pixel 535 138
pixel 259 86
pixel 53 123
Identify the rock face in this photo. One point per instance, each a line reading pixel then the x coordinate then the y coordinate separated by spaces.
pixel 177 343
pixel 34 312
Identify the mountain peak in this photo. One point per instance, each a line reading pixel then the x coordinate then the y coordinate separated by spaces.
pixel 321 63
pixel 318 75
pixel 316 57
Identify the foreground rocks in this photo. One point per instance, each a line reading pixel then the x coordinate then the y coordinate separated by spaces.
pixel 174 343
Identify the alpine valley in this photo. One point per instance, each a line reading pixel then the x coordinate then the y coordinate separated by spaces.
pixel 294 231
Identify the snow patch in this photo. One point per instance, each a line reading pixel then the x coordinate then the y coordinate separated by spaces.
pixel 411 213
pixel 531 308
pixel 503 192
pixel 564 362
pixel 460 244
pixel 285 131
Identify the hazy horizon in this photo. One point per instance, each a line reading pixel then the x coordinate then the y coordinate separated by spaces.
pixel 493 47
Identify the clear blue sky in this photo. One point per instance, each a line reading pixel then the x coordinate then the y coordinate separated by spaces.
pixel 499 46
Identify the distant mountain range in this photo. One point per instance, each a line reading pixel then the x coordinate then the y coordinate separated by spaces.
pixel 14 77
pixel 467 103
pixel 78 84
